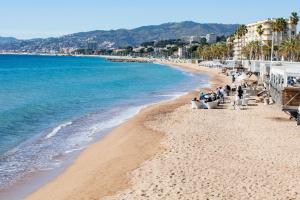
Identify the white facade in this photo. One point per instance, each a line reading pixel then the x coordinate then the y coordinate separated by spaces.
pixel 252 35
pixel 196 39
pixel 211 38
pixel 182 52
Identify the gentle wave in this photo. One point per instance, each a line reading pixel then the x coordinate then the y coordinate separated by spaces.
pixel 57 129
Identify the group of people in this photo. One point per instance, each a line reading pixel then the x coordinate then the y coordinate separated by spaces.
pixel 293 80
pixel 219 94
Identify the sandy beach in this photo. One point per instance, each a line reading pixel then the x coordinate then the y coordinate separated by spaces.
pixel 169 151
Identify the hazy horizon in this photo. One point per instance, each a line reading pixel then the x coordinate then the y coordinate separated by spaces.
pixel 42 19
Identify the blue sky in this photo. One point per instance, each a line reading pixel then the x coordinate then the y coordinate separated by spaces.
pixel 44 18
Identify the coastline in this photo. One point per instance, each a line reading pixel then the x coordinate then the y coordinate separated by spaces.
pixel 168 151
pixel 120 152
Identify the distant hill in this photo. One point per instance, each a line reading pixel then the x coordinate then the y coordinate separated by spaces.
pixel 120 37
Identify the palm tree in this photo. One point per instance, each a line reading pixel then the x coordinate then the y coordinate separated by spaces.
pixel 246 51
pixel 243 32
pixel 251 50
pixel 275 29
pixel 294 19
pixel 282 26
pixel 240 33
pixel 230 45
pixel 260 31
pixel 297 54
pixel 288 48
pixel 266 49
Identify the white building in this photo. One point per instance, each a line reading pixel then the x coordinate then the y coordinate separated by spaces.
pixel 252 35
pixel 193 39
pixel 211 38
pixel 92 45
pixel 182 52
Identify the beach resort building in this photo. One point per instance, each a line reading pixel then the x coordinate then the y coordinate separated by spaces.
pixel 252 35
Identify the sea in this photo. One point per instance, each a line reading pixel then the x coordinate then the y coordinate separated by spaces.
pixel 52 107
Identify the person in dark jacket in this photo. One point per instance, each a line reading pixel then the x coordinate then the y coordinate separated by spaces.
pixel 240 92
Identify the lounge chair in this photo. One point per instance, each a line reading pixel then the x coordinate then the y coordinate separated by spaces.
pixel 212 105
pixel 195 104
pixel 198 105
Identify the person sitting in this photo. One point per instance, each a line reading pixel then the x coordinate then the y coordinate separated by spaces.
pixel 195 99
pixel 213 96
pixel 209 99
pixel 202 96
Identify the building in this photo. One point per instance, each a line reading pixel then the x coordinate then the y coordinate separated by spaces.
pixel 252 35
pixel 67 50
pixel 182 52
pixel 92 45
pixel 211 38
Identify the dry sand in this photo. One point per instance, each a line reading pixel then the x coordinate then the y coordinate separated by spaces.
pixel 169 151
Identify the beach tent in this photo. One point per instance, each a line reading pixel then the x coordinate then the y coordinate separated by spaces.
pixel 279 74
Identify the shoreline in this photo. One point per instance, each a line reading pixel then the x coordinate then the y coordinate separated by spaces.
pixel 135 125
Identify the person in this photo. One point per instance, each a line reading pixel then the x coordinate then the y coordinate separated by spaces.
pixel 227 90
pixel 233 78
pixel 209 99
pixel 218 92
pixel 202 96
pixel 240 92
pixel 222 94
pixel 213 96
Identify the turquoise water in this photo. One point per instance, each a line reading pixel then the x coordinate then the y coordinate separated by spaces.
pixel 52 106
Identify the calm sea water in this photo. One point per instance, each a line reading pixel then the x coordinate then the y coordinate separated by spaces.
pixel 52 106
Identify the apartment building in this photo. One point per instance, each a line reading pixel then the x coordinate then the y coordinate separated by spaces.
pixel 252 35
pixel 211 38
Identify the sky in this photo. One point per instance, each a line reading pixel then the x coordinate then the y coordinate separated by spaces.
pixel 26 19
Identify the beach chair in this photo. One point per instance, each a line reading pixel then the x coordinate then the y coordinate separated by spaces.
pixel 212 105
pixel 195 104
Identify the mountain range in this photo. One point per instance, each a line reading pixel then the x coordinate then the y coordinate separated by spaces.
pixel 119 37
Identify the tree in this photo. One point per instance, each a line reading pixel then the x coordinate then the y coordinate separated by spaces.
pixel 266 50
pixel 288 49
pixel 213 51
pixel 275 29
pixel 230 45
pixel 192 51
pixel 150 50
pixel 240 34
pixel 294 20
pixel 282 26
pixel 279 26
pixel 260 31
pixel 251 50
pixel 243 31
